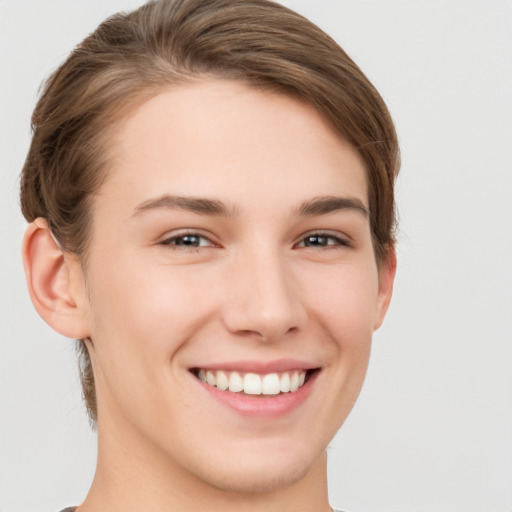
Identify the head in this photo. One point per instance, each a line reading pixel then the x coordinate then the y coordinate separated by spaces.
pixel 214 59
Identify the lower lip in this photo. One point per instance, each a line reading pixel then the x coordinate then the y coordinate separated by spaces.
pixel 264 406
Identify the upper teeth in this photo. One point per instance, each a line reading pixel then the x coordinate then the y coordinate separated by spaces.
pixel 252 383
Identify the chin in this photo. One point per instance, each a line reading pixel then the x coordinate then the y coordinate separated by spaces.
pixel 272 474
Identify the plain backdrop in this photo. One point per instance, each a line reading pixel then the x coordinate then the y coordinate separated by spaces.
pixel 432 430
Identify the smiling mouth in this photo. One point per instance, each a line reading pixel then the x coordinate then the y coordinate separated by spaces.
pixel 270 384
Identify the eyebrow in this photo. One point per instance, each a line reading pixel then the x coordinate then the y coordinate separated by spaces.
pixel 200 205
pixel 324 205
pixel 321 205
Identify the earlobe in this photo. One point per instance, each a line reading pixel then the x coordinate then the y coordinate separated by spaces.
pixel 387 272
pixel 50 275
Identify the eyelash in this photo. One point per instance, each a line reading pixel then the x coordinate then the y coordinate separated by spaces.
pixel 339 242
pixel 176 240
pixel 171 241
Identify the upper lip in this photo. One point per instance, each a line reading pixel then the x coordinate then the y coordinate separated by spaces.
pixel 260 367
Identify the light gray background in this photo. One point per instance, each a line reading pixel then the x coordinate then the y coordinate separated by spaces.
pixel 432 430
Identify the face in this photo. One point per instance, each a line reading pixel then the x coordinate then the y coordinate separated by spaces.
pixel 232 288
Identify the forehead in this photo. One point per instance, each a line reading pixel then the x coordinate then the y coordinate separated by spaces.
pixel 229 140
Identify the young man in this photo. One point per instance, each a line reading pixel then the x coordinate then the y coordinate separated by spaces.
pixel 210 197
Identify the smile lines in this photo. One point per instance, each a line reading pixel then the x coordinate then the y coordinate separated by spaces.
pixel 252 383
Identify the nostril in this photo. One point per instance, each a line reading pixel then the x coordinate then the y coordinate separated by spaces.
pixel 264 308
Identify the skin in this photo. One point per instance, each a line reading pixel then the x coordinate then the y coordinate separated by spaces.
pixel 256 289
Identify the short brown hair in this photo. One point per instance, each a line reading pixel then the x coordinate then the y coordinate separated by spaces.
pixel 133 56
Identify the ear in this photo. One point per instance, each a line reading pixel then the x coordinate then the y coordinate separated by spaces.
pixel 387 272
pixel 55 282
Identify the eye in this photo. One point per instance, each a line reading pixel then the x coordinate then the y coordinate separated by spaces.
pixel 186 240
pixel 322 240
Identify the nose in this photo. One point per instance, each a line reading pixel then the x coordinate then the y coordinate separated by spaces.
pixel 265 302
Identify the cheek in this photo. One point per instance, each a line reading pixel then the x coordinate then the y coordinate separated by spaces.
pixel 346 301
pixel 148 310
pixel 140 320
